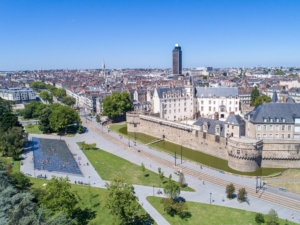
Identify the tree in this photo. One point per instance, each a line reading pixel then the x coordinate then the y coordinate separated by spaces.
pixel 272 218
pixel 44 123
pixel 230 189
pixel 5 106
pixel 21 180
pixel 268 86
pixel 224 74
pixel 98 119
pixel 261 99
pixel 242 194
pixel 59 197
pixel 175 207
pixel 60 92
pixel 172 189
pixel 69 101
pixel 63 116
pixel 121 202
pixel 181 180
pixel 159 170
pixel 46 96
pixel 254 95
pixel 161 176
pixel 7 121
pixel 259 218
pixel 143 167
pixel 12 142
pixel 38 85
pixel 117 104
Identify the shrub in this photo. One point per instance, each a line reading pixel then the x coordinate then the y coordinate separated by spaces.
pixel 272 218
pixel 259 218
pixel 230 189
pixel 242 194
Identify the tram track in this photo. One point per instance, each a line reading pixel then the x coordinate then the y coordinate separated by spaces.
pixel 265 196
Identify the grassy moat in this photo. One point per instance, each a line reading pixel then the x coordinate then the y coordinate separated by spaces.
pixel 188 153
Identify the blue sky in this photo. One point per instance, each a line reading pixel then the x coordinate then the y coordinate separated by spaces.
pixel 62 34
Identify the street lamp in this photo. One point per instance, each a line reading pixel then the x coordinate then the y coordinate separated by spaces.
pixel 210 198
pixel 175 158
pixel 134 138
pixel 181 152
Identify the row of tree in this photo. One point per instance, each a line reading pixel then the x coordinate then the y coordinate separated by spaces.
pixel 47 92
pixel 13 137
pixel 52 118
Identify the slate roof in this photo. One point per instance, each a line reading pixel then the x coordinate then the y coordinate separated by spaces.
pixel 211 125
pixel 288 111
pixel 274 97
pixel 234 120
pixel 161 90
pixel 218 91
pixel 290 100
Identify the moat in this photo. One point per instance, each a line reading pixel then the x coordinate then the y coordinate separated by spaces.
pixel 190 154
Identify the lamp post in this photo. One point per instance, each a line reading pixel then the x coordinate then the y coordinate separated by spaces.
pixel 210 198
pixel 181 152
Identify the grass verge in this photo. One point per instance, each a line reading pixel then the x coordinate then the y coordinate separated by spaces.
pixel 206 214
pixel 109 165
pixel 33 129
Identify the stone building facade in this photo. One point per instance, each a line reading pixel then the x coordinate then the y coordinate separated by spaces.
pixel 224 139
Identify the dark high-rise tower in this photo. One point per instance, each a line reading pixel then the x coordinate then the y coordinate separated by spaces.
pixel 177 60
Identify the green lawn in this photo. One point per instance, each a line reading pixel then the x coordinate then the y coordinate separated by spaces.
pixel 23 119
pixel 206 214
pixel 109 166
pixel 102 214
pixel 33 129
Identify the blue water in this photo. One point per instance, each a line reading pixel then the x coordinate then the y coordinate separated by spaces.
pixel 53 155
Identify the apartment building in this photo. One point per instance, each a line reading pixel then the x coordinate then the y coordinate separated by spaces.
pixel 18 95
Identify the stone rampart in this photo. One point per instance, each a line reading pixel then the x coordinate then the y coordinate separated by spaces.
pixel 243 154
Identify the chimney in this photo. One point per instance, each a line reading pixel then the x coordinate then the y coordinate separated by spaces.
pixel 231 113
pixel 216 116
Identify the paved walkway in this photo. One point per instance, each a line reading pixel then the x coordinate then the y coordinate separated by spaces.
pixel 279 180
pixel 202 193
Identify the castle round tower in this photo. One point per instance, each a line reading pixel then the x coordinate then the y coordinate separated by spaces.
pixel 244 154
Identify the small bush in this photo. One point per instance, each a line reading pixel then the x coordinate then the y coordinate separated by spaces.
pixel 242 194
pixel 230 189
pixel 259 218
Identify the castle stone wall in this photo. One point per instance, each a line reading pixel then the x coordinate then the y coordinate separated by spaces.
pixel 244 154
pixel 253 153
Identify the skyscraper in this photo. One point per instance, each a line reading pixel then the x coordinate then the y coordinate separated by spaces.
pixel 177 60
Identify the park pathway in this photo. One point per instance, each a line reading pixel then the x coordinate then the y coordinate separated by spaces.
pixel 284 203
pixel 195 177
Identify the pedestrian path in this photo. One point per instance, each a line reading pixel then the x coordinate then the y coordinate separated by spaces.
pixel 131 154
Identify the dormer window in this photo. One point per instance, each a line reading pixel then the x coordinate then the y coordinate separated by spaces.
pixel 271 120
pixel 217 129
pixel 277 120
pixel 265 120
pixel 283 120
